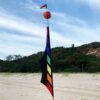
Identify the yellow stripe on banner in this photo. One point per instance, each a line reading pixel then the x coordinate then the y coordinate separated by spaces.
pixel 49 69
pixel 49 79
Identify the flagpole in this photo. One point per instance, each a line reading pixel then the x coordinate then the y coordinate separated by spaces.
pixel 49 81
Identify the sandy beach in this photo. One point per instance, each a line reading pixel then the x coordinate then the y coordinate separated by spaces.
pixel 67 87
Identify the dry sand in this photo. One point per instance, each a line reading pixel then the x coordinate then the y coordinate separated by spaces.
pixel 67 87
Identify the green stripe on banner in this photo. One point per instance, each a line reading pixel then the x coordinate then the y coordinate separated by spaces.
pixel 48 60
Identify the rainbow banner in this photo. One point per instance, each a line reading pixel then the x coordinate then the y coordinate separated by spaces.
pixel 46 66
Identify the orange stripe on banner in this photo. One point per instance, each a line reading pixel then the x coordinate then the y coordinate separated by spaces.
pixel 49 79
pixel 49 88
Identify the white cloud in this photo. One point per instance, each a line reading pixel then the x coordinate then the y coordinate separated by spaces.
pixel 16 44
pixel 21 25
pixel 29 5
pixel 18 24
pixel 79 29
pixel 94 4
pixel 27 27
pixel 58 16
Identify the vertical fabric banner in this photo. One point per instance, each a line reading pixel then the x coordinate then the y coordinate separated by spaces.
pixel 46 66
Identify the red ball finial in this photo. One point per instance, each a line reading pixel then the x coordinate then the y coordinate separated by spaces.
pixel 47 15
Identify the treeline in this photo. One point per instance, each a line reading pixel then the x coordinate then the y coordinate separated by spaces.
pixel 72 59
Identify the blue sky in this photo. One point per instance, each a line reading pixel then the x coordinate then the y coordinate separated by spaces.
pixel 22 27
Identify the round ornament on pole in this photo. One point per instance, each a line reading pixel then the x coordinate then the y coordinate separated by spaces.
pixel 47 15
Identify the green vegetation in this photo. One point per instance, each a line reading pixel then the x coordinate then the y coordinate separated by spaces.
pixel 72 59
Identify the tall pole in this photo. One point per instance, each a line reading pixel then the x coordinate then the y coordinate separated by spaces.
pixel 46 62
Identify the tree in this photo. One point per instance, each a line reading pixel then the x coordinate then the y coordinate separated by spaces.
pixel 9 58
pixel 16 57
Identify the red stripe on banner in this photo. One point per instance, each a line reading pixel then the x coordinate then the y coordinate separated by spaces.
pixel 49 88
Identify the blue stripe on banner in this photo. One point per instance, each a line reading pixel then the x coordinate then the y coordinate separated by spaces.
pixel 48 50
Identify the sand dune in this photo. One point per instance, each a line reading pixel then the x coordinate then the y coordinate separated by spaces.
pixel 66 86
